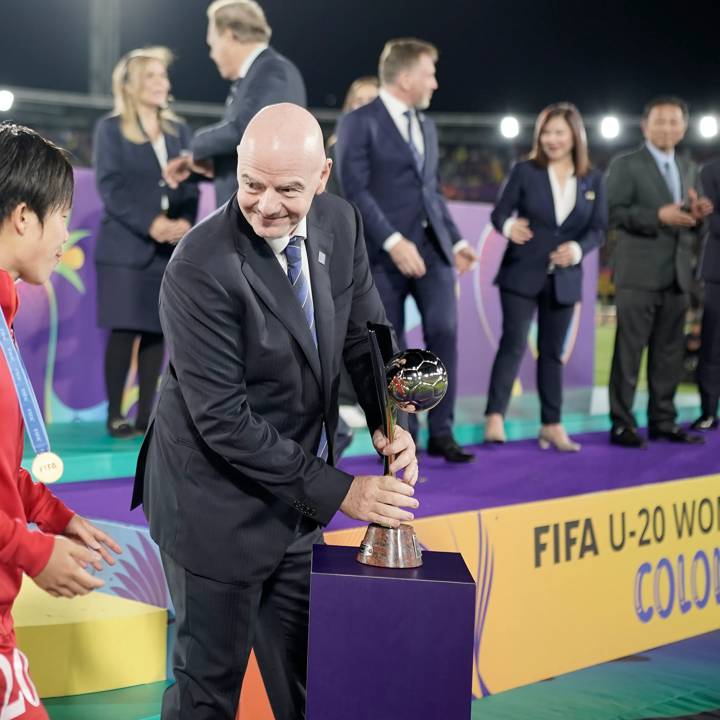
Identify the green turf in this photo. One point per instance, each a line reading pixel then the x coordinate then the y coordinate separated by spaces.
pixel 669 682
pixel 135 703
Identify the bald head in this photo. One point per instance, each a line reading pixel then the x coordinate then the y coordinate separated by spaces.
pixel 281 167
pixel 283 133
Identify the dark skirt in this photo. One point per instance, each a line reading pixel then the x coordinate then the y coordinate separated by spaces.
pixel 127 298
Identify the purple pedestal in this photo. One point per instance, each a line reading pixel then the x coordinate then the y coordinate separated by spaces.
pixel 389 644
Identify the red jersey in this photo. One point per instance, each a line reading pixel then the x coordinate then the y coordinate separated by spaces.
pixel 21 500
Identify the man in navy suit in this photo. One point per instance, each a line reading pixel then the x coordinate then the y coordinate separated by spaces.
pixel 238 36
pixel 260 304
pixel 387 156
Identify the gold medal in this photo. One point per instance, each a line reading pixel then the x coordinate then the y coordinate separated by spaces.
pixel 47 468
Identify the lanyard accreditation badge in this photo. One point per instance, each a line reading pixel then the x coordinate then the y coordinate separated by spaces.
pixel 47 467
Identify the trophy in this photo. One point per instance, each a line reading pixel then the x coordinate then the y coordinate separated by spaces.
pixel 411 381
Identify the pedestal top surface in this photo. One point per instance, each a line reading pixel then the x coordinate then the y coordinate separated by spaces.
pixel 436 567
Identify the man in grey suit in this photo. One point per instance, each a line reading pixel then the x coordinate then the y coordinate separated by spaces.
pixel 654 205
pixel 238 35
pixel 260 304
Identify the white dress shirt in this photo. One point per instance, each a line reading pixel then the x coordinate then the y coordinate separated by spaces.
pixel 249 60
pixel 278 246
pixel 397 109
pixel 159 147
pixel 564 199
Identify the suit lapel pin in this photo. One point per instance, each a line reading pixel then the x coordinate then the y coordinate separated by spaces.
pixel 590 195
pixel 321 257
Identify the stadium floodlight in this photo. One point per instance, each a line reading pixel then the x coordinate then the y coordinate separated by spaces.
pixel 708 126
pixel 509 127
pixel 610 127
pixel 6 100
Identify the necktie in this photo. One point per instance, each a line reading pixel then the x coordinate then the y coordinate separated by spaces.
pixel 417 157
pixel 296 276
pixel 671 180
pixel 233 89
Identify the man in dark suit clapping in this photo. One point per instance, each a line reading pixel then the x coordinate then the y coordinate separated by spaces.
pixel 387 154
pixel 654 204
pixel 238 35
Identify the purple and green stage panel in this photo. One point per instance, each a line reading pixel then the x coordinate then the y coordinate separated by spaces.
pixel 89 453
pixel 518 472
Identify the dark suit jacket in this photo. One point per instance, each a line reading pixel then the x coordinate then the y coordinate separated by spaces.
pixel 271 79
pixel 228 465
pixel 528 192
pixel 129 180
pixel 710 265
pixel 377 172
pixel 649 256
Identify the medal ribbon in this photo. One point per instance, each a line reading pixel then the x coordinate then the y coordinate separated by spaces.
pixel 29 407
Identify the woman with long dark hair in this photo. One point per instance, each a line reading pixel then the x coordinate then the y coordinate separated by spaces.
pixel 553 211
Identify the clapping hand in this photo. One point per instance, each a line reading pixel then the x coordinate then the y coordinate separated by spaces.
pixel 700 207
pixel 520 231
pixel 465 259
pixel 673 215
pixel 165 230
pixel 563 255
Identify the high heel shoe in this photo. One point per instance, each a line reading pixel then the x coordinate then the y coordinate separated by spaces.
pixel 491 439
pixel 496 437
pixel 563 444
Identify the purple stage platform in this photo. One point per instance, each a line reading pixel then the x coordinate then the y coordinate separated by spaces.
pixel 518 472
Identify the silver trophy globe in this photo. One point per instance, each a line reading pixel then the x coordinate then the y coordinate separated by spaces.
pixel 411 381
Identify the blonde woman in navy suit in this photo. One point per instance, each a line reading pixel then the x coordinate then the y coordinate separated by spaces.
pixel 142 222
pixel 553 211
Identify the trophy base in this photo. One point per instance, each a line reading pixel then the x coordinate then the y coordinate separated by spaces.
pixel 390 547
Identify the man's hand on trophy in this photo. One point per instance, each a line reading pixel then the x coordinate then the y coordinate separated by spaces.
pixel 401 451
pixel 379 499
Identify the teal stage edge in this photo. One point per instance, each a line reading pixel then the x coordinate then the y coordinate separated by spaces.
pixel 90 454
pixel 678 680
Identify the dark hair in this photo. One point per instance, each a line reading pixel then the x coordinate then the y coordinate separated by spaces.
pixel 572 116
pixel 666 100
pixel 34 171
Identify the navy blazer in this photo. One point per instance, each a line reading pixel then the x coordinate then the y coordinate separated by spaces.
pixel 528 192
pixel 228 464
pixel 129 180
pixel 378 173
pixel 710 264
pixel 271 79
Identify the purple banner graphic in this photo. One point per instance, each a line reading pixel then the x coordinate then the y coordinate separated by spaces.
pixel 63 348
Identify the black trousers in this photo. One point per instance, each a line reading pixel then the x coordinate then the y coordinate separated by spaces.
pixel 435 296
pixel 655 320
pixel 216 625
pixel 708 374
pixel 553 322
pixel 118 355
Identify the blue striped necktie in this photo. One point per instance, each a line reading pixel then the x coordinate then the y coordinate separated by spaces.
pixel 293 253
